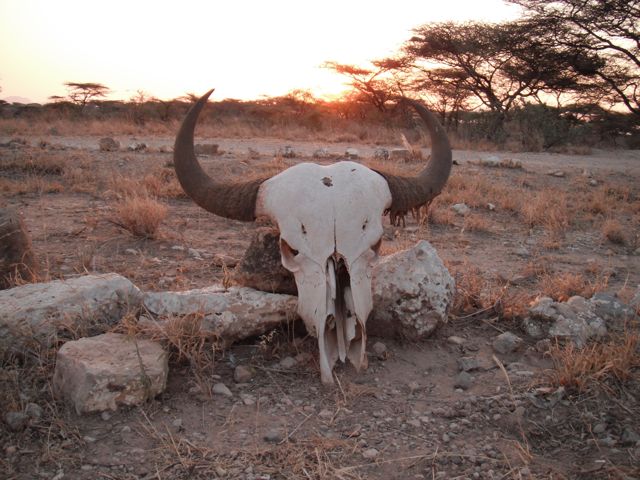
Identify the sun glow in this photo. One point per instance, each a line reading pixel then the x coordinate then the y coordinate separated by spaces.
pixel 245 49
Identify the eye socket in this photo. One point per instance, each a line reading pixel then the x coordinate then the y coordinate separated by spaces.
pixel 288 249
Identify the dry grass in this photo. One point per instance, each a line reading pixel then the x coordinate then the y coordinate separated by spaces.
pixel 613 231
pixel 547 208
pixel 140 215
pixel 579 369
pixel 563 286
pixel 476 223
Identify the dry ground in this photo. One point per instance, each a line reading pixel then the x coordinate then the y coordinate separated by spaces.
pixel 528 234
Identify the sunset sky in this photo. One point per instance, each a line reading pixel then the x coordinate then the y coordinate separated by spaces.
pixel 243 48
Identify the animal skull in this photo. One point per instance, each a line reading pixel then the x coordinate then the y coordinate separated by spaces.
pixel 330 223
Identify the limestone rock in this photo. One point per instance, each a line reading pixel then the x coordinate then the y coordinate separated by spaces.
pixel 231 314
pixel 261 267
pixel 108 144
pixel 412 293
pixel 16 253
pixel 100 373
pixel 41 311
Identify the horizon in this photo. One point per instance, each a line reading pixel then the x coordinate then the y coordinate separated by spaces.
pixel 269 50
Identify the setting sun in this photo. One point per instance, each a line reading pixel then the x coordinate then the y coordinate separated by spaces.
pixel 245 49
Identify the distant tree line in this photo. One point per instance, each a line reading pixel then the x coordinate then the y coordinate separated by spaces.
pixel 565 64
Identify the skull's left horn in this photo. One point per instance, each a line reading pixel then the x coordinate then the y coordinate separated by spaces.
pixel 412 192
pixel 236 200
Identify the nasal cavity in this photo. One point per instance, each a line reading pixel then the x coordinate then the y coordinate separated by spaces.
pixel 327 181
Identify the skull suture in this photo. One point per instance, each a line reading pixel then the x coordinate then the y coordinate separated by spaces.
pixel 330 223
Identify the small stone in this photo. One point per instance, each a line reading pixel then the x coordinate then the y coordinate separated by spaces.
pixel 287 362
pixel 414 422
pixel 221 389
pixel 370 453
pixel 599 428
pixel 243 374
pixel 446 438
pixel 275 435
pixel 491 206
pixel 125 429
pixel 33 410
pixel 466 364
pixel 89 439
pixel 522 252
pixel 352 153
pixel 106 416
pixel 629 436
pixel 16 421
pixel 380 349
pixel 10 450
pixel 247 399
pixel 108 144
pixel 460 209
pixel 506 342
pixel 177 423
pixel 593 182
pixel 327 414
pixel 463 380
pixel 454 340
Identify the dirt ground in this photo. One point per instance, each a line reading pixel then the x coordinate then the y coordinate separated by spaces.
pixel 555 225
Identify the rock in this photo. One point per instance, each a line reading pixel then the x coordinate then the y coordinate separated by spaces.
pixel 380 349
pixel 110 370
pixel 321 153
pixel 230 314
pixel 506 342
pixel 467 364
pixel 610 308
pixel 243 374
pixel 40 311
pixel 491 206
pixel 593 182
pixel 522 252
pixel 370 453
pixel 412 293
pixel 460 209
pixel 381 154
pixel 288 152
pixel 222 260
pixel 194 253
pixel 275 435
pixel 16 421
pixel 33 410
pixel 137 147
pixel 221 389
pixel 287 362
pixel 532 328
pixel 463 380
pixel 455 340
pixel 599 428
pixel 629 436
pixel 352 153
pixel 556 173
pixel 17 260
pixel 401 154
pixel 108 144
pixel 261 266
pixel 206 148
pixel 325 414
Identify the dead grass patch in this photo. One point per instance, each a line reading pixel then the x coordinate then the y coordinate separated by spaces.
pixel 140 215
pixel 613 231
pixel 547 208
pixel 30 184
pixel 563 286
pixel 579 369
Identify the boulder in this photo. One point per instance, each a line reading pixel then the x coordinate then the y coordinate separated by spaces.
pixel 17 260
pixel 105 372
pixel 261 267
pixel 230 314
pixel 39 312
pixel 412 293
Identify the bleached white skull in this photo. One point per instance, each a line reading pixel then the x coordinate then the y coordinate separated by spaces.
pixel 330 223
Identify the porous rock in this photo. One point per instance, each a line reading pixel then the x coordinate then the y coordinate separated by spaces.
pixel 412 293
pixel 230 314
pixel 100 373
pixel 40 312
pixel 17 260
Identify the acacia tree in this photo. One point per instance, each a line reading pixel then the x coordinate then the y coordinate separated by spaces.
pixel 607 32
pixel 499 65
pixel 82 93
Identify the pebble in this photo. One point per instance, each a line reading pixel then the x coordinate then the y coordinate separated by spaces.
pixel 177 423
pixel 370 453
pixel 221 389
pixel 460 209
pixel 33 410
pixel 242 374
pixel 10 450
pixel 506 342
pixel 327 414
pixel 467 364
pixel 274 435
pixel 414 422
pixel 455 340
pixel 287 362
pixel 463 380
pixel 16 421
pixel 380 349
pixel 106 416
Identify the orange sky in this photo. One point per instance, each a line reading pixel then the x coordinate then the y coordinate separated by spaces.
pixel 245 49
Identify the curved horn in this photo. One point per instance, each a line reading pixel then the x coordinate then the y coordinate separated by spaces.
pixel 231 199
pixel 408 193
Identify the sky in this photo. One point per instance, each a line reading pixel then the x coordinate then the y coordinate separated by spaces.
pixel 245 49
